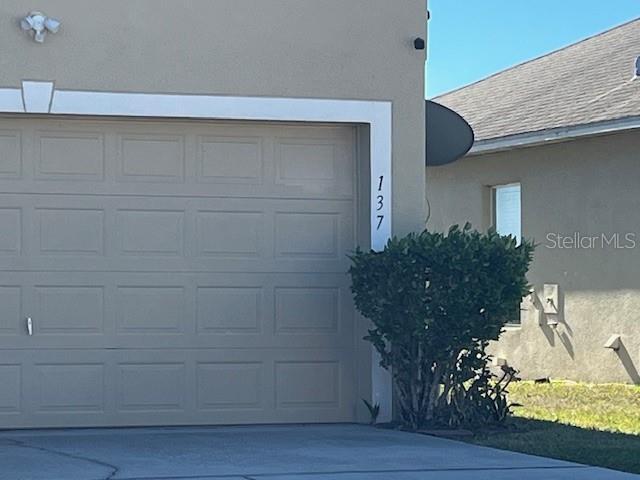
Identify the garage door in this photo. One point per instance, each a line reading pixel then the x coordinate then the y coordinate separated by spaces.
pixel 175 273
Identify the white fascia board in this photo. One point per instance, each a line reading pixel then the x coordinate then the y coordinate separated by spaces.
pixel 210 106
pixel 554 135
pixel 11 100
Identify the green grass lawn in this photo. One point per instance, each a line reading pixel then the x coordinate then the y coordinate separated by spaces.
pixel 591 424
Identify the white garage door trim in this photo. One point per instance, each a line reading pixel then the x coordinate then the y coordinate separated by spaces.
pixel 41 97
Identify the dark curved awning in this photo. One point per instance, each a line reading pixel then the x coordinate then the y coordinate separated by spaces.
pixel 449 136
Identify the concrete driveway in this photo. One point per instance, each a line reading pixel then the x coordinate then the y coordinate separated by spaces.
pixel 319 452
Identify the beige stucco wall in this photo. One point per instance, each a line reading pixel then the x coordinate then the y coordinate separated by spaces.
pixel 590 186
pixel 331 49
pixel 356 49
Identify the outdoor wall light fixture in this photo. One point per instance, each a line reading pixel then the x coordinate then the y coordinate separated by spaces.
pixel 419 43
pixel 38 24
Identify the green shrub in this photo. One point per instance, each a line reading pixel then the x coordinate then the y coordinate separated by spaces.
pixel 435 302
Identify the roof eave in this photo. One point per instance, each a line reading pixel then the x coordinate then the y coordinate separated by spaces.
pixel 554 135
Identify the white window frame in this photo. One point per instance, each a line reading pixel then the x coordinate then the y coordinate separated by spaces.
pixel 494 206
pixel 516 322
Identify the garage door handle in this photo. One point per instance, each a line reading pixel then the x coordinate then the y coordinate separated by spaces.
pixel 29 326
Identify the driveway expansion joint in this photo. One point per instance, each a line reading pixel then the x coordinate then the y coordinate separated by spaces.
pixel 22 444
pixel 258 476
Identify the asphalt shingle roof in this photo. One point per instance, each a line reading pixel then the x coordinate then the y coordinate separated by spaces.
pixel 589 81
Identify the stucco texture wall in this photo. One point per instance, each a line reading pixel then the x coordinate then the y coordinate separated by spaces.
pixel 360 49
pixel 588 186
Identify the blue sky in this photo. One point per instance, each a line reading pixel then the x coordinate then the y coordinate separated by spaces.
pixel 471 39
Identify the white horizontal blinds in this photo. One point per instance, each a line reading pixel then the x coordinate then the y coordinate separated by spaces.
pixel 507 210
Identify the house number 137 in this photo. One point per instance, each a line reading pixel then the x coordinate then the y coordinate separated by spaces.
pixel 380 202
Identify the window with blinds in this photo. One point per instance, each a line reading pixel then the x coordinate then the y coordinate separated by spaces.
pixel 507 210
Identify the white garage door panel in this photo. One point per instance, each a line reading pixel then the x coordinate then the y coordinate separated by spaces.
pixel 175 273
pixel 157 387
pixel 116 157
pixel 181 310
pixel 78 232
